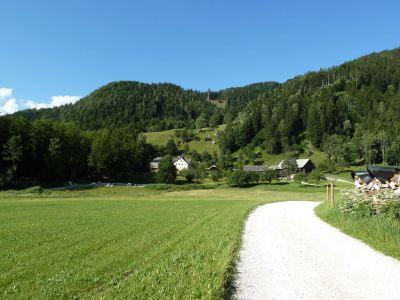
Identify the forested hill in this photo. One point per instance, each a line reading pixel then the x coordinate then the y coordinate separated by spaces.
pixel 355 105
pixel 132 104
pixel 350 111
pixel 238 98
pixel 149 107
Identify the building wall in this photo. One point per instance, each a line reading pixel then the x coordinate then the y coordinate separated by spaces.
pixel 308 167
pixel 181 165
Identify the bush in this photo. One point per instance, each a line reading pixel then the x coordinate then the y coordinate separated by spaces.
pixel 240 178
pixel 268 176
pixel 166 170
pixel 215 176
pixel 33 190
pixel 327 166
pixel 189 175
pixel 299 177
pixel 316 176
pixel 384 203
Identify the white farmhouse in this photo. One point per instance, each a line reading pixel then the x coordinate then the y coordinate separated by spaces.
pixel 182 163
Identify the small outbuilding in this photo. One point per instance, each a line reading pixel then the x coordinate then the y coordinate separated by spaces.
pixel 154 164
pixel 304 165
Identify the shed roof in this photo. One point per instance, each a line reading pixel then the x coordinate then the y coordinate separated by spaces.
pixel 157 159
pixel 300 163
pixel 249 168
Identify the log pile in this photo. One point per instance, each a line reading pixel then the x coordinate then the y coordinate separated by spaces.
pixel 377 179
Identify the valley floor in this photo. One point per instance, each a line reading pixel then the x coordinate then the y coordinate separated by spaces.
pixel 127 242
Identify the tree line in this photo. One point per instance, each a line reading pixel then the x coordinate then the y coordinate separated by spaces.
pixel 350 112
pixel 51 151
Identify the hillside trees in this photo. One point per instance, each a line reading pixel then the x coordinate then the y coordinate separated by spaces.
pixel 135 105
pixel 167 171
pixel 118 153
pixel 171 148
pixel 59 151
pixel 12 153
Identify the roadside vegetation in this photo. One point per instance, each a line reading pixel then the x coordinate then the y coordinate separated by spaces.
pixel 374 221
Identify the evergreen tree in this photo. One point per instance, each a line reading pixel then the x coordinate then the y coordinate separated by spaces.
pixel 171 148
pixel 315 129
pixel 166 170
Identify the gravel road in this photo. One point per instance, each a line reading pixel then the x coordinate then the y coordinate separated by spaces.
pixel 289 253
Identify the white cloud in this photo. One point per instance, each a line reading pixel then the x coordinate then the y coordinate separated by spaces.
pixel 55 101
pixel 5 93
pixel 61 100
pixel 9 107
pixel 32 104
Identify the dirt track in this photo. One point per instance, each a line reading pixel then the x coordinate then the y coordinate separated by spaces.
pixel 289 253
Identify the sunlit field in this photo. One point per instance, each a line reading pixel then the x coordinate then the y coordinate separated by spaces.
pixel 127 242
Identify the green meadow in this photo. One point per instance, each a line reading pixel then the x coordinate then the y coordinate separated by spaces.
pixel 127 242
pixel 202 144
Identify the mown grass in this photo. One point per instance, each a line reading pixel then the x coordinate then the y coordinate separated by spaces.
pixel 379 232
pixel 126 242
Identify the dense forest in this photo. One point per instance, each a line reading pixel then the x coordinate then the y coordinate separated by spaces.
pixel 147 107
pixel 54 151
pixel 351 112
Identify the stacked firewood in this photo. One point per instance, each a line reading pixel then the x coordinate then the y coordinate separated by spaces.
pixel 377 179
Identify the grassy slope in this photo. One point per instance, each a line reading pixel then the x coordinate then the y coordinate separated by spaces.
pixel 126 242
pixel 273 159
pixel 380 233
pixel 162 137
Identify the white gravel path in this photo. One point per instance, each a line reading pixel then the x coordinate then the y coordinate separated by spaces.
pixel 289 253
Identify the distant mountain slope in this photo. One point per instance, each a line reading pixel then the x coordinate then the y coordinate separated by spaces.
pixel 351 111
pixel 344 100
pixel 133 104
pixel 238 98
pixel 146 107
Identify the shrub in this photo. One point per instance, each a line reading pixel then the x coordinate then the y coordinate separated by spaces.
pixel 215 176
pixel 189 175
pixel 316 176
pixel 327 166
pixel 268 175
pixel 384 202
pixel 166 170
pixel 300 177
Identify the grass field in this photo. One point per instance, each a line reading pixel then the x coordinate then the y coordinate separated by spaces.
pixel 127 242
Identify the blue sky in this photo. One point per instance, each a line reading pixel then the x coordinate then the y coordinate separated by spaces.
pixel 53 52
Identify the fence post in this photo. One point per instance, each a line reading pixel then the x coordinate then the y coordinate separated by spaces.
pixel 332 195
pixel 327 194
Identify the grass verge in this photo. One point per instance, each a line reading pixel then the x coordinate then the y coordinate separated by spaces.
pixel 378 232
